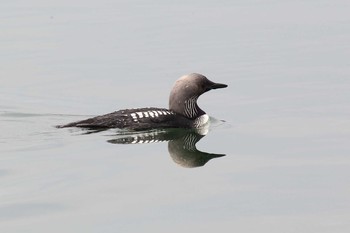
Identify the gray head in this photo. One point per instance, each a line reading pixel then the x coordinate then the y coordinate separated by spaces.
pixel 186 90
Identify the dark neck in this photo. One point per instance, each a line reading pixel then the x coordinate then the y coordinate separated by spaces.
pixel 191 109
pixel 185 105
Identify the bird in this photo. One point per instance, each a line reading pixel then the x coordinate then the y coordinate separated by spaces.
pixel 183 111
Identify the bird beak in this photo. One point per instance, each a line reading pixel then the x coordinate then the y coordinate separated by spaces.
pixel 218 85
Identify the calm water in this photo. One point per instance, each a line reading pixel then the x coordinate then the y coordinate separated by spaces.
pixel 285 137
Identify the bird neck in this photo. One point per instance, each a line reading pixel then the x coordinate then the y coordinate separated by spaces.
pixel 188 108
pixel 191 109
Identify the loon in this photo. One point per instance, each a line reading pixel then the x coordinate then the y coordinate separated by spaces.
pixel 183 110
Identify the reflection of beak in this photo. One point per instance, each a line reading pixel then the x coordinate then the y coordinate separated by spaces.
pixel 183 151
pixel 181 144
pixel 190 157
pixel 218 85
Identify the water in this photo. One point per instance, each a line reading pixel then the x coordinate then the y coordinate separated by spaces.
pixel 286 111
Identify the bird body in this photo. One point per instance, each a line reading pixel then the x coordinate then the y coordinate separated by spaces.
pixel 183 110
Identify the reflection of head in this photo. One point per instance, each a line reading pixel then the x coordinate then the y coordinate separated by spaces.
pixel 183 151
pixel 181 144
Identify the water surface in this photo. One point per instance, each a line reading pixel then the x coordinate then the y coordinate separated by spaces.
pixel 286 110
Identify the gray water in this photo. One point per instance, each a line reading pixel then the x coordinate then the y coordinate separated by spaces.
pixel 286 111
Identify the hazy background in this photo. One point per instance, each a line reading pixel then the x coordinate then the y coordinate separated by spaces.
pixel 286 136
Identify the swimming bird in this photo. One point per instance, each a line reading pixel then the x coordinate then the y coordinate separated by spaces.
pixel 183 111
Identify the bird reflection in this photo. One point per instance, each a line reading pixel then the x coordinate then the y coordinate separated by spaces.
pixel 181 144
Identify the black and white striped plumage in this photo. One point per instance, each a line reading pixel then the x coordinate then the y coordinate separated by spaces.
pixel 135 119
pixel 181 144
pixel 183 110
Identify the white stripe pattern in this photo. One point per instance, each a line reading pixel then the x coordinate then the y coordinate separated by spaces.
pixel 191 107
pixel 153 113
pixel 140 114
pixel 133 115
pixel 146 138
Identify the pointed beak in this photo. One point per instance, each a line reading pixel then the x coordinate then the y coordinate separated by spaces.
pixel 218 85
